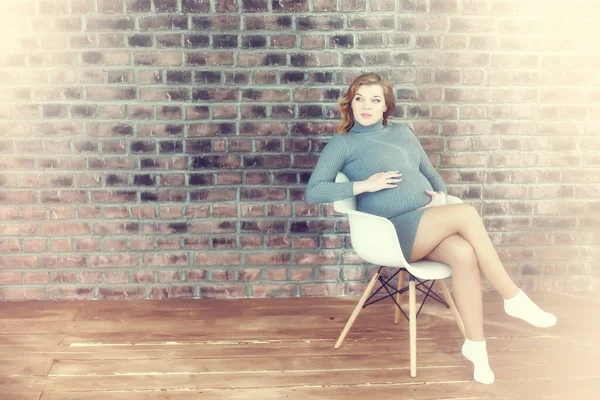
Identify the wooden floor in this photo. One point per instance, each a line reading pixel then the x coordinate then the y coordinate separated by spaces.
pixel 283 349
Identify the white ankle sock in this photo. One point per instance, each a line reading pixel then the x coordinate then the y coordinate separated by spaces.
pixel 521 306
pixel 476 352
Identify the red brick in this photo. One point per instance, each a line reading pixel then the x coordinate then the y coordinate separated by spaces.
pixel 123 292
pixel 216 259
pixel 21 197
pixel 142 277
pixel 9 213
pixel 116 228
pixel 224 210
pixel 90 277
pixel 63 261
pixel 224 242
pixel 467 95
pixel 274 290
pixel 328 273
pixel 507 224
pixel 222 291
pixel 10 245
pixel 229 178
pixel 454 41
pixel 172 292
pixel 554 222
pixel 141 244
pixel 472 24
pixel 113 245
pixel 324 257
pixel 197 275
pixel 116 277
pixel 71 293
pixel 279 210
pixel 352 273
pixel 321 289
pixel 268 259
pixel 168 244
pixel 355 288
pixel 278 242
pixel 551 192
pixel 252 210
pixel 21 294
pixel 29 146
pixel 222 275
pixel 61 245
pixel 219 226
pixel 63 277
pixel 504 192
pixel 112 261
pixel 63 212
pixel 305 242
pixel 10 278
pixel 34 245
pixel 248 274
pixel 332 242
pixel 351 258
pixel 301 274
pixel 256 178
pixel 466 160
pixel 251 242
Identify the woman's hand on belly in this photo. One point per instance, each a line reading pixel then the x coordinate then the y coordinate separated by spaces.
pixel 377 182
pixel 437 199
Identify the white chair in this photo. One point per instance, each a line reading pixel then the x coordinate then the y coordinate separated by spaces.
pixel 374 239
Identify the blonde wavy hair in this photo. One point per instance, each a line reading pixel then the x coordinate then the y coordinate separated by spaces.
pixel 345 102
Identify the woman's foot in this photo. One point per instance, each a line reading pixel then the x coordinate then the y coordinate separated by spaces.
pixel 476 352
pixel 521 306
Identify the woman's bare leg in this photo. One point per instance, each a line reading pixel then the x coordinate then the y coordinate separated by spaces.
pixel 466 282
pixel 439 223
pixel 457 252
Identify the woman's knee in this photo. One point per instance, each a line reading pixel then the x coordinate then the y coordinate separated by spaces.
pixel 469 212
pixel 462 255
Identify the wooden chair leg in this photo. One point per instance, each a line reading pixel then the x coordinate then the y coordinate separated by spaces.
pixel 450 302
pixel 357 310
pixel 412 316
pixel 401 278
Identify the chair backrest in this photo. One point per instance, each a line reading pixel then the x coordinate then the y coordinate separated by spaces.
pixel 374 238
pixel 343 206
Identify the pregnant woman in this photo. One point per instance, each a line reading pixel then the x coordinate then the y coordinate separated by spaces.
pixel 392 177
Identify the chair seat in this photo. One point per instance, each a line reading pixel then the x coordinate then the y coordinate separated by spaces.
pixel 429 270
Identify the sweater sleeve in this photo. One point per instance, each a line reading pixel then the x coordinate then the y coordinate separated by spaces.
pixel 427 169
pixel 322 187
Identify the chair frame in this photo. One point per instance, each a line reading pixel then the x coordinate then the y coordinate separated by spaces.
pixel 396 296
pixel 385 284
pixel 394 259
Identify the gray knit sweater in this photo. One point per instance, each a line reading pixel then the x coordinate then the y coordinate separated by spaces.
pixel 366 150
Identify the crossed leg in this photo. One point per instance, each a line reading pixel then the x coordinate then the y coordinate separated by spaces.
pixel 455 234
pixel 439 223
pixel 466 282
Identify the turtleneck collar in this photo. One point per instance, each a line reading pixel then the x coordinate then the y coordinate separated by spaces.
pixel 358 128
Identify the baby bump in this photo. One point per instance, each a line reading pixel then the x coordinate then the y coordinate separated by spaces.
pixel 406 197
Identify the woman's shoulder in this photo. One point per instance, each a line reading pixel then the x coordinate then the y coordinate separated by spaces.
pixel 337 144
pixel 398 127
pixel 337 140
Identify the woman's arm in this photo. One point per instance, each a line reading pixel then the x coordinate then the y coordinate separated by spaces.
pixel 427 169
pixel 321 187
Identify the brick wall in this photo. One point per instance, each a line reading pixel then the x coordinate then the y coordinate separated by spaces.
pixel 158 149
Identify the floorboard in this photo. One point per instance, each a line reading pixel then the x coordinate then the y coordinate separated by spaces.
pixel 283 349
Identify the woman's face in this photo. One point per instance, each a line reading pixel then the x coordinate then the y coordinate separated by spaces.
pixel 368 104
